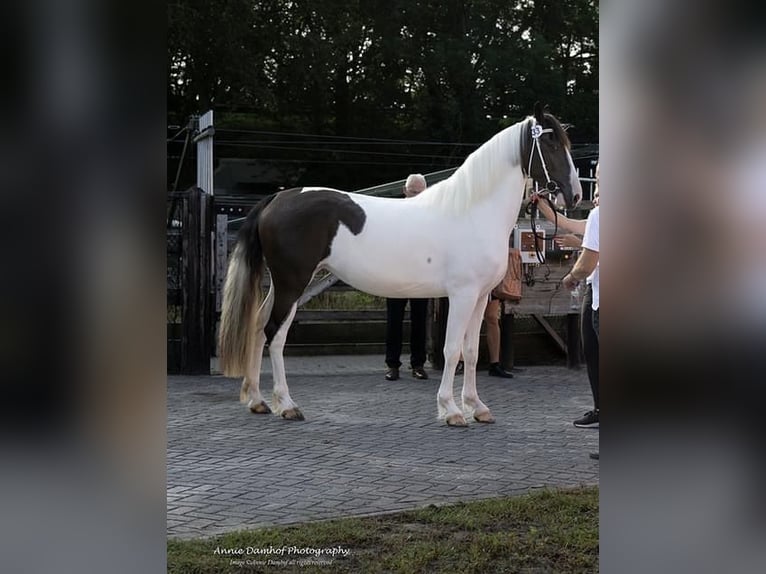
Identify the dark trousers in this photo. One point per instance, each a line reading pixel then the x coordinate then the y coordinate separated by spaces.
pixel 589 336
pixel 394 328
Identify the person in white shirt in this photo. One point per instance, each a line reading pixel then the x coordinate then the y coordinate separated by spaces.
pixel 585 267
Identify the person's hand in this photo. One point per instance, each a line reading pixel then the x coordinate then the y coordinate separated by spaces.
pixel 545 210
pixel 568 240
pixel 570 282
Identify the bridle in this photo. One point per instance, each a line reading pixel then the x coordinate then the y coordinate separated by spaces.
pixel 536 130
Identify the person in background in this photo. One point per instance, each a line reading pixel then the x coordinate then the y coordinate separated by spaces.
pixel 588 333
pixel 418 314
pixel 492 319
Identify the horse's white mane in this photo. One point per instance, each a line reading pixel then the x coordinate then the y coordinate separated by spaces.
pixel 479 174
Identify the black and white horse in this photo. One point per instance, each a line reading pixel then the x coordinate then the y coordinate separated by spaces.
pixel 449 241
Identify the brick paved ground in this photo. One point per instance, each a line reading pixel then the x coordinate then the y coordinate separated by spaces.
pixel 367 445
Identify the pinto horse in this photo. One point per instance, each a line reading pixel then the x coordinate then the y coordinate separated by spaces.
pixel 451 241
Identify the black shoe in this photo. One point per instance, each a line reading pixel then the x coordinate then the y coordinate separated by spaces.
pixel 588 420
pixel 392 374
pixel 460 368
pixel 594 455
pixel 495 370
pixel 419 373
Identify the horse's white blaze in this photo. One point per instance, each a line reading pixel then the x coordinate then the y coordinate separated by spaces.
pixel 574 180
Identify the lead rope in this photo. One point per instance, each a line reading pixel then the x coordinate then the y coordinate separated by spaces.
pixel 532 210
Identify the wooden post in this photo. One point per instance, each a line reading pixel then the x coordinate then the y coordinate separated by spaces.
pixel 195 342
pixel 573 341
pixel 205 292
pixel 207 286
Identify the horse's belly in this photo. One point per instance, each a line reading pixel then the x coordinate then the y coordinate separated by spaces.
pixel 388 281
pixel 391 259
pixel 386 272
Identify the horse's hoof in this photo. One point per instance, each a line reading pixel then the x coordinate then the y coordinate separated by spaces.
pixel 260 409
pixel 293 414
pixel 485 417
pixel 456 421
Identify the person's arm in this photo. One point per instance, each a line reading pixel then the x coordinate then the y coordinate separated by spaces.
pixel 565 223
pixel 583 267
pixel 569 240
pixel 586 263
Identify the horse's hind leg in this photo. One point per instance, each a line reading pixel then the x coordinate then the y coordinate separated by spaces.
pixel 282 403
pixel 471 402
pixel 250 392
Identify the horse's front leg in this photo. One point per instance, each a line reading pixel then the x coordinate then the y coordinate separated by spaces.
pixel 472 405
pixel 460 313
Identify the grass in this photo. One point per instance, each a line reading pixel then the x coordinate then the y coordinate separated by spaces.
pixel 546 531
pixel 345 300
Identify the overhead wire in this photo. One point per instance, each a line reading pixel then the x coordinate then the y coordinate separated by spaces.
pixel 324 150
pixel 352 138
pixel 298 145
pixel 351 162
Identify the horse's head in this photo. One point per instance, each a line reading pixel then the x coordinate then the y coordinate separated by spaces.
pixel 546 158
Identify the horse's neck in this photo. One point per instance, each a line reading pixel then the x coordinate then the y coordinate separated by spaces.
pixel 500 209
pixel 491 168
pixel 488 175
pixel 502 170
pixel 508 189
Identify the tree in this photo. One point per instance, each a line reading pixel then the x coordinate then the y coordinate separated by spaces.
pixel 445 71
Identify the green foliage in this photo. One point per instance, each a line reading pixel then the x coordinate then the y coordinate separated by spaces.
pixel 345 301
pixel 548 531
pixel 435 70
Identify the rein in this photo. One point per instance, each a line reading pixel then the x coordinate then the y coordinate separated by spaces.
pixel 551 186
pixel 531 209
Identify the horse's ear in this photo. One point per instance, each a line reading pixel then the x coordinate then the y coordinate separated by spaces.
pixel 539 112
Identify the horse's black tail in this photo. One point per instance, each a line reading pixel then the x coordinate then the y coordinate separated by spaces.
pixel 242 296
